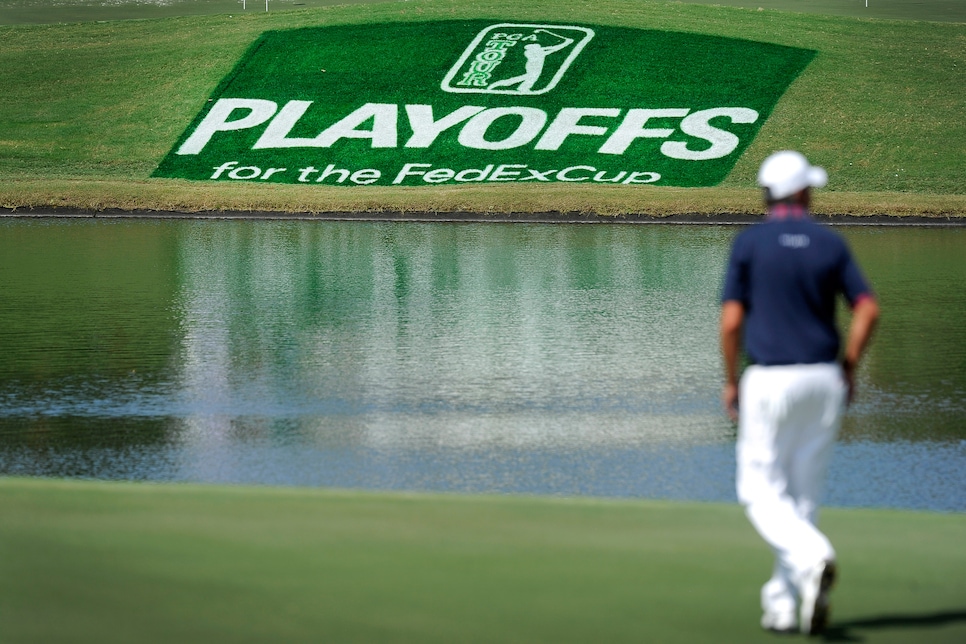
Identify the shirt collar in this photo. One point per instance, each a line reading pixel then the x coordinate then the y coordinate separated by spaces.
pixel 787 211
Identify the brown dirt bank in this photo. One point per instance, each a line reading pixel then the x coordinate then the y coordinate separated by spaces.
pixel 476 217
pixel 551 202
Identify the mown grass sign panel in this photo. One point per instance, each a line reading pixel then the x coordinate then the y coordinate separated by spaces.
pixel 483 101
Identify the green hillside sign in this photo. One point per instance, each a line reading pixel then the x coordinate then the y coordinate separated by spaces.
pixel 424 104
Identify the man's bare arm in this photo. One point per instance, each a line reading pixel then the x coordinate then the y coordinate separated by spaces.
pixel 865 315
pixel 732 319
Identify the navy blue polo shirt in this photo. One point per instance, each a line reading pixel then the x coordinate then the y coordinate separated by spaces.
pixel 787 273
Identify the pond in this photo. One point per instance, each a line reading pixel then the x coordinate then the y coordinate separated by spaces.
pixel 531 359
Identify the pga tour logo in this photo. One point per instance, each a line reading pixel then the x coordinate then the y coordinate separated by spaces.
pixel 516 59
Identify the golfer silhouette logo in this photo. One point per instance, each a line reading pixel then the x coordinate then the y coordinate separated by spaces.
pixel 516 59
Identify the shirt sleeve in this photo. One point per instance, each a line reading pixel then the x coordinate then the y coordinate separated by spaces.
pixel 854 284
pixel 736 274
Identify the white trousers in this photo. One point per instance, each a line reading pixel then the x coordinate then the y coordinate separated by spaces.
pixel 789 417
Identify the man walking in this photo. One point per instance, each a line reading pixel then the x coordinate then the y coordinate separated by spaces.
pixel 781 285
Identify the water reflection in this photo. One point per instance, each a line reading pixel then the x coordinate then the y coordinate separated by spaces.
pixel 450 335
pixel 511 358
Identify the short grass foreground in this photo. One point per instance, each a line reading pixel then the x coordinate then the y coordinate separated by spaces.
pixel 119 562
pixel 95 107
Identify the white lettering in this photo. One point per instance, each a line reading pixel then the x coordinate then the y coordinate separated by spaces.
pixel 473 133
pixel 568 122
pixel 276 134
pixel 504 173
pixel 366 176
pixel 538 175
pixel 330 170
pixel 601 177
pixel 632 128
pixel 222 168
pixel 439 175
pixel 272 171
pixel 641 177
pixel 409 170
pixel 216 120
pixel 246 172
pixel 697 125
pixel 474 174
pixel 383 132
pixel 515 172
pixel 485 62
pixel 564 175
pixel 378 122
pixel 794 241
pixel 425 129
pixel 305 172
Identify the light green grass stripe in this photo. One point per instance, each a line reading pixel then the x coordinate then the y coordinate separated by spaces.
pixel 105 562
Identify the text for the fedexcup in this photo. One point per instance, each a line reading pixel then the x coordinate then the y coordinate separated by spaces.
pixel 426 173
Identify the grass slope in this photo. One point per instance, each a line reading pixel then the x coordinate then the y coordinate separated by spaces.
pixel 96 106
pixel 52 11
pixel 105 562
pixel 15 12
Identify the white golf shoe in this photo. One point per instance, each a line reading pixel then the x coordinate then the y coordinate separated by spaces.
pixel 814 589
pixel 780 622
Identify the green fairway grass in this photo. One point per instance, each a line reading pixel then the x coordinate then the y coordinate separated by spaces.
pixel 95 107
pixel 121 562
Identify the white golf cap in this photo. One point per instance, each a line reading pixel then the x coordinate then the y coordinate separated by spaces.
pixel 785 173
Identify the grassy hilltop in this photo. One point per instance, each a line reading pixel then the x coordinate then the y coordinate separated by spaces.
pixel 94 107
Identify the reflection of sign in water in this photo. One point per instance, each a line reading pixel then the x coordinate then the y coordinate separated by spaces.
pixel 516 59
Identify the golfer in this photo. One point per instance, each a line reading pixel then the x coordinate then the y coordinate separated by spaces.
pixel 780 290
pixel 536 56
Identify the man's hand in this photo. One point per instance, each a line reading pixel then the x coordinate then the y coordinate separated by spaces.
pixel 848 373
pixel 729 396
